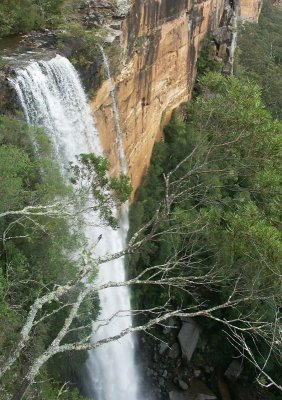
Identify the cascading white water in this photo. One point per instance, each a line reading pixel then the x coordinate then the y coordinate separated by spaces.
pixel 233 46
pixel 52 96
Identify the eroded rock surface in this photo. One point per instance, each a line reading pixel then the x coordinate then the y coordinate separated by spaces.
pixel 188 337
pixel 250 9
pixel 161 41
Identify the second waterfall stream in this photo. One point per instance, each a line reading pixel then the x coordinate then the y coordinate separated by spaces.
pixel 51 96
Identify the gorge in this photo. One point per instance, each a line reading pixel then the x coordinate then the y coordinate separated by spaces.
pixel 144 66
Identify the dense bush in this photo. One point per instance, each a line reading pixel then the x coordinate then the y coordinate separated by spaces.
pixel 25 15
pixel 228 209
pixel 260 56
pixel 34 253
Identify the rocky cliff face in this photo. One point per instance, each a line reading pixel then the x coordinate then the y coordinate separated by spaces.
pixel 250 9
pixel 162 39
pixel 159 41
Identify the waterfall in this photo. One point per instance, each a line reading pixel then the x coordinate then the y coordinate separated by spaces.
pixel 52 97
pixel 233 46
pixel 119 139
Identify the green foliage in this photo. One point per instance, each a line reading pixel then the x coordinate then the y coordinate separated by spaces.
pixel 25 15
pixel 16 170
pixel 3 63
pixel 91 174
pixel 260 56
pixel 24 164
pixel 87 42
pixel 207 62
pixel 228 207
pixel 121 187
pixel 34 250
pixel 115 53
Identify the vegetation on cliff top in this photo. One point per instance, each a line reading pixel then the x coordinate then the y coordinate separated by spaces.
pixel 24 15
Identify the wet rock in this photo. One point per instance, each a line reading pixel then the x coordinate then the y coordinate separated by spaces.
pixel 182 396
pixel 163 347
pixel 178 363
pixel 222 51
pixel 116 25
pixel 224 390
pixel 91 4
pixel 8 99
pixel 188 337
pixel 188 396
pixel 201 390
pixel 197 373
pixel 208 369
pixel 222 35
pixel 170 325
pixel 174 351
pixel 98 12
pixel 212 51
pixel 197 391
pixel 183 385
pixel 162 382
pixel 234 370
pixel 45 39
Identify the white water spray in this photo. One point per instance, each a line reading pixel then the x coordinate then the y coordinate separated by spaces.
pixel 52 96
pixel 234 40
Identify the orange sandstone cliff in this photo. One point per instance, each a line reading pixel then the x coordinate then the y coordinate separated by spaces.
pixel 161 40
pixel 250 9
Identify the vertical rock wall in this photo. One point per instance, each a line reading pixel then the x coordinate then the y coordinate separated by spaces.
pixel 162 40
pixel 250 9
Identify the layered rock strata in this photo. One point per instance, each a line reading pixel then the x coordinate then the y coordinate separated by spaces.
pixel 158 43
pixel 250 9
pixel 161 40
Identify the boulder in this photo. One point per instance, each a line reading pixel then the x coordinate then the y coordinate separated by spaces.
pixel 208 369
pixel 197 391
pixel 170 325
pixel 222 35
pixel 222 51
pixel 224 390
pixel 197 373
pixel 201 390
pixel 174 351
pixel 182 396
pixel 234 370
pixel 163 347
pixel 188 337
pixel 183 385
